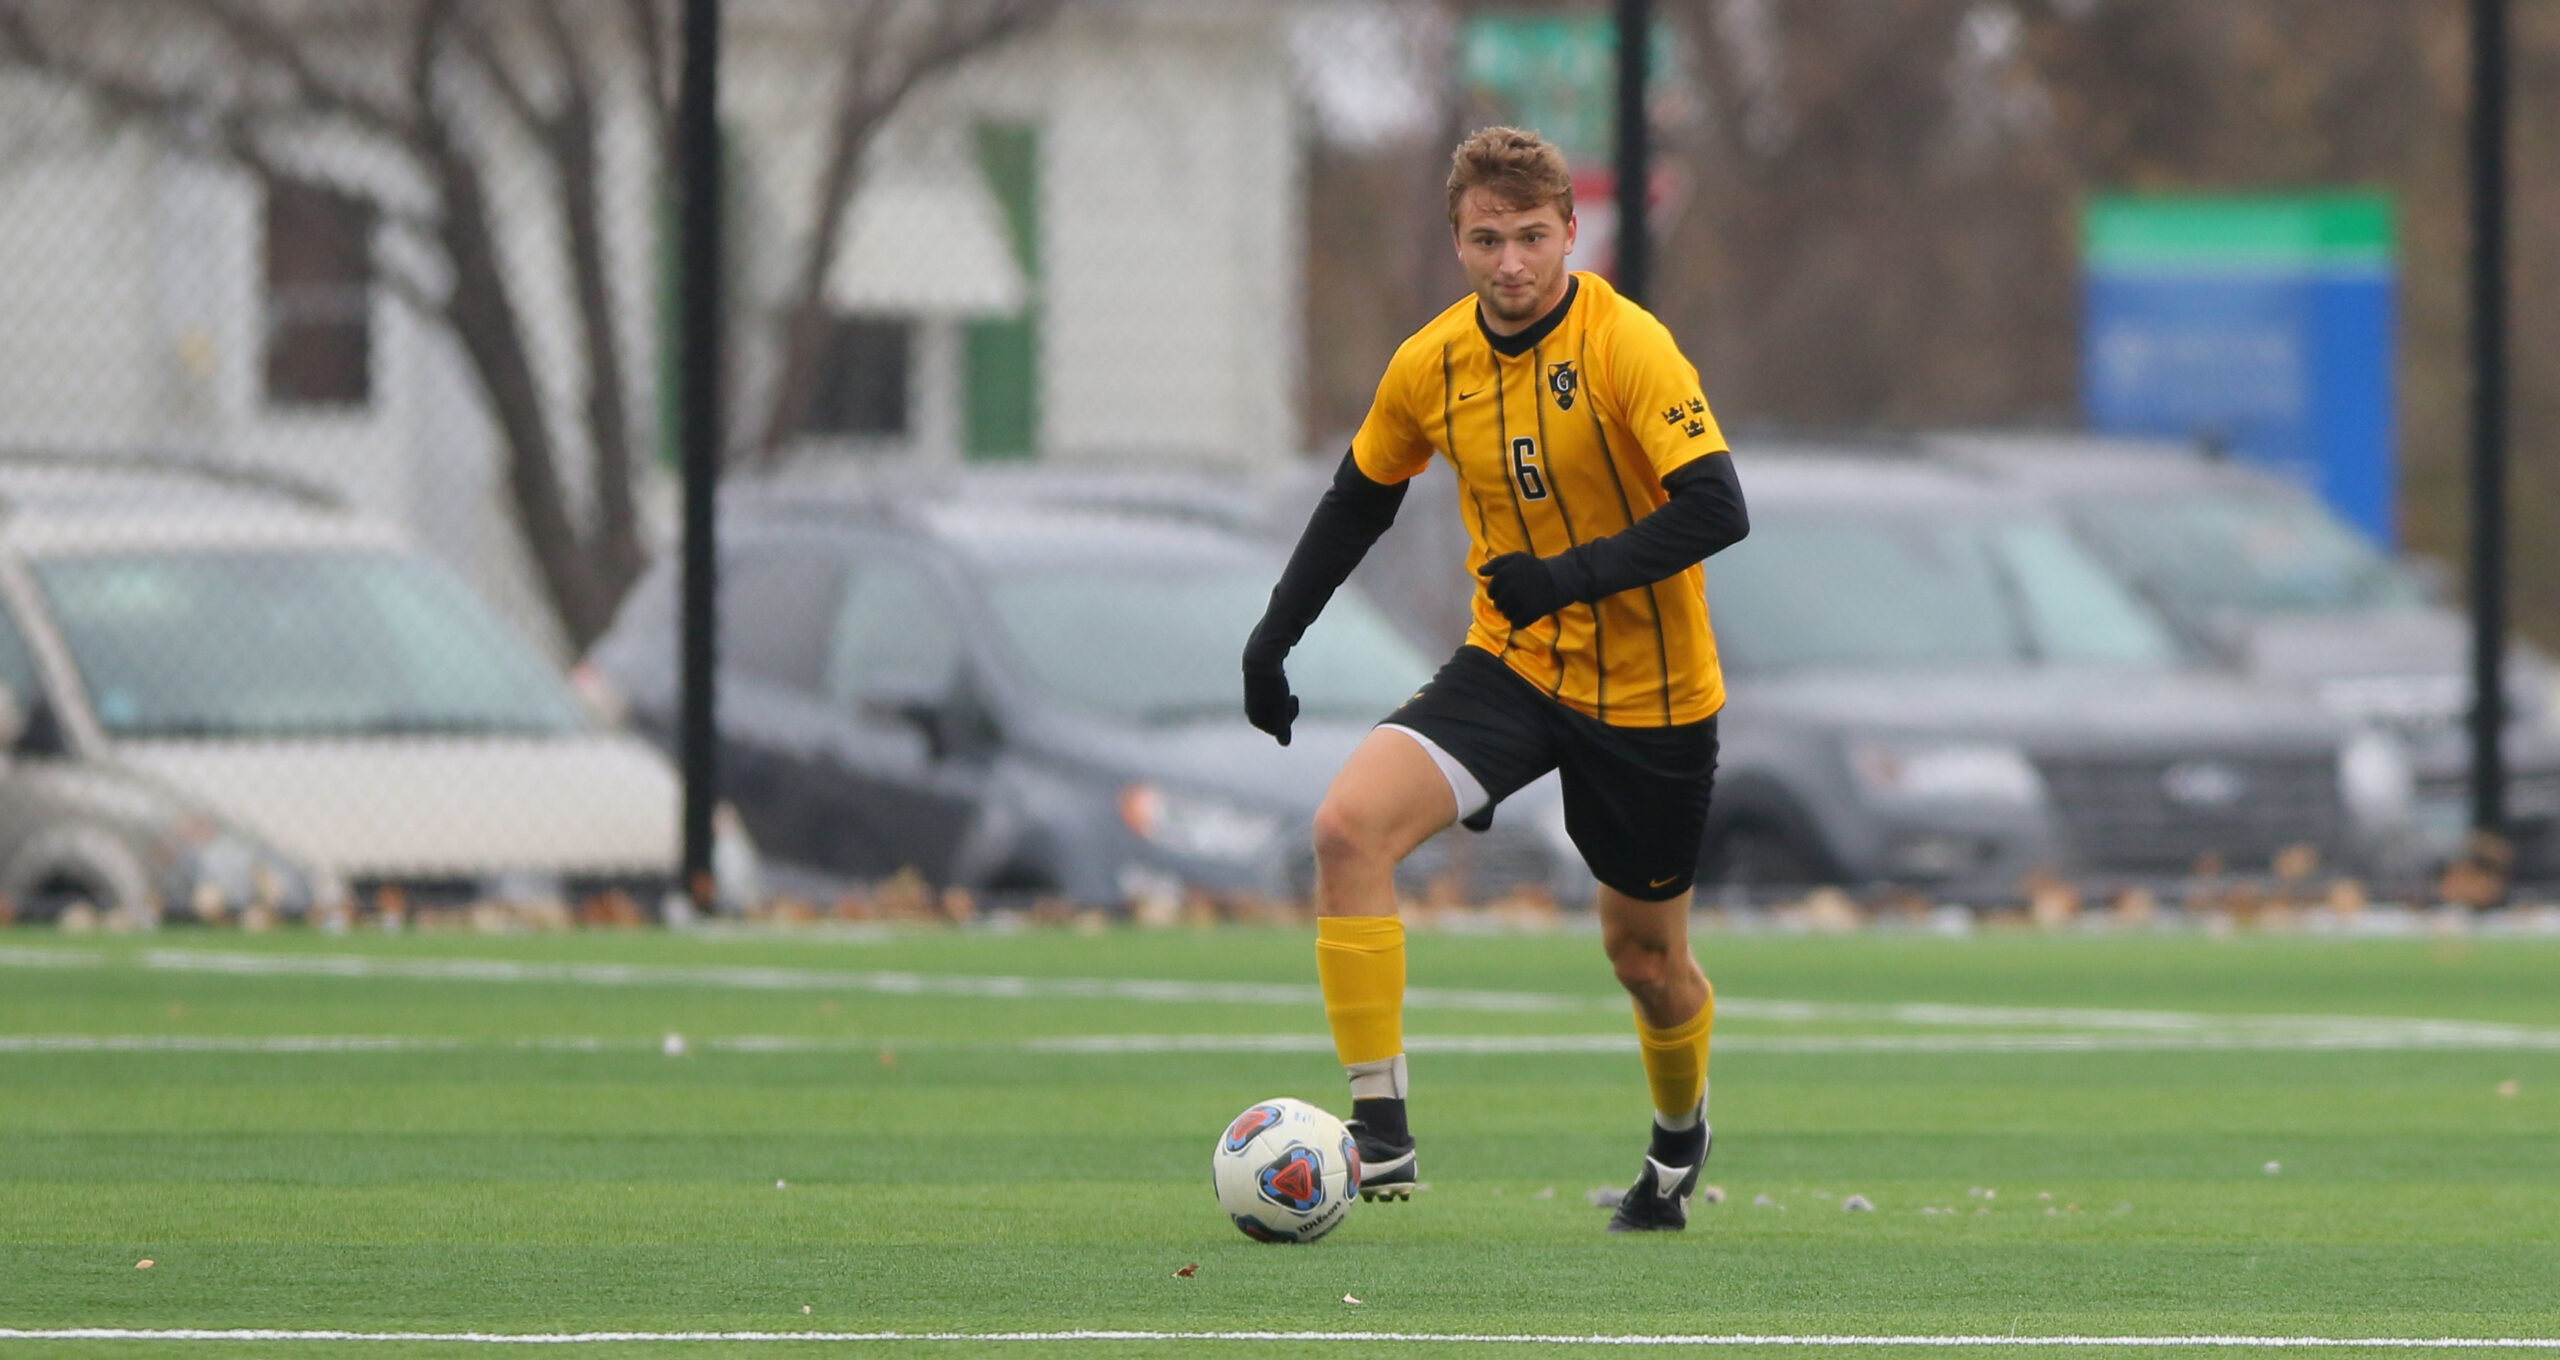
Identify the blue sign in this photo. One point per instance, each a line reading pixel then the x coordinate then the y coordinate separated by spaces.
pixel 2260 325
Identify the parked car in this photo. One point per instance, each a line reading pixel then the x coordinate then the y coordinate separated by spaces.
pixel 1031 696
pixel 1932 683
pixel 230 691
pixel 2261 571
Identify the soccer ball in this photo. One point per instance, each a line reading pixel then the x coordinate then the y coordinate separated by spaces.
pixel 1286 1171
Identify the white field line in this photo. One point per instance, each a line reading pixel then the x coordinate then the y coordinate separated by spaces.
pixel 50 958
pixel 826 980
pixel 1423 1338
pixel 222 1043
pixel 2370 1041
pixel 2081 1029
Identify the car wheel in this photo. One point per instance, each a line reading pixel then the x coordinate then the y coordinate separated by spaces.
pixel 1757 855
pixel 77 866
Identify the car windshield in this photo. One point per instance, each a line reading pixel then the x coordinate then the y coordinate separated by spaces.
pixel 1872 590
pixel 294 644
pixel 2248 553
pixel 1160 646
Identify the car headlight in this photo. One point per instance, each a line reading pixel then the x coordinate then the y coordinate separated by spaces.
pixel 1965 772
pixel 2418 703
pixel 1197 824
pixel 2374 778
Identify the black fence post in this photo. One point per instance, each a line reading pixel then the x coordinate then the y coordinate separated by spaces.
pixel 698 343
pixel 2488 413
pixel 1635 150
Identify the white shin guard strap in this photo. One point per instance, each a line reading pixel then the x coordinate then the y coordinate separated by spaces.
pixel 1380 1080
pixel 1684 1122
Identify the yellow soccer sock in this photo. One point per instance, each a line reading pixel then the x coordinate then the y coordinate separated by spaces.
pixel 1675 1063
pixel 1360 968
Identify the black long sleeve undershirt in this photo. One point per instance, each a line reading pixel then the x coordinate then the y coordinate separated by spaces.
pixel 1346 523
pixel 1704 516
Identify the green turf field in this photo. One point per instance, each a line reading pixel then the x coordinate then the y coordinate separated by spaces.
pixel 980 1132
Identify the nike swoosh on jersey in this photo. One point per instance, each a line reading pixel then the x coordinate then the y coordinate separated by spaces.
pixel 1464 395
pixel 1658 882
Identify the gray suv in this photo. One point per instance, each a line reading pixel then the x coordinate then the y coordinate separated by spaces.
pixel 1030 691
pixel 1932 682
pixel 2263 574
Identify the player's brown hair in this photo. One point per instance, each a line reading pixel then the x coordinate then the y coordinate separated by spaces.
pixel 1519 168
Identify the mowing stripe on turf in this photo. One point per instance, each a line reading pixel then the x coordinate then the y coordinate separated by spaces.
pixel 1106 1045
pixel 1461 1338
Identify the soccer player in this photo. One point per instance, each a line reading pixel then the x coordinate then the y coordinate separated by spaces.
pixel 1593 480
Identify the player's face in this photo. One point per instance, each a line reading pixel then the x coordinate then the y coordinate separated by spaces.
pixel 1514 257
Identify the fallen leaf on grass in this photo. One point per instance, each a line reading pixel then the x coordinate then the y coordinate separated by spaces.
pixel 144 1264
pixel 1711 1194
pixel 1857 1204
pixel 1189 1270
pixel 1349 1299
pixel 2508 1088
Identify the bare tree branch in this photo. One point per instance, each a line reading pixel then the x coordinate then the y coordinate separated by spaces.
pixel 646 28
pixel 486 321
pixel 474 38
pixel 871 88
pixel 246 83
pixel 576 157
pixel 259 37
pixel 412 293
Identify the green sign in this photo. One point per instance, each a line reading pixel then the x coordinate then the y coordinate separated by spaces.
pixel 2337 232
pixel 1557 75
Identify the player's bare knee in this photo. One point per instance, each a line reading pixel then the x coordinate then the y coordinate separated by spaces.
pixel 1344 837
pixel 1644 967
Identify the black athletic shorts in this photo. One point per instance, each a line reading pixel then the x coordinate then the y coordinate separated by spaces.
pixel 1635 798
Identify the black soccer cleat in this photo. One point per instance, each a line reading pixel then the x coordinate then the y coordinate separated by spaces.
pixel 1658 1201
pixel 1386 1169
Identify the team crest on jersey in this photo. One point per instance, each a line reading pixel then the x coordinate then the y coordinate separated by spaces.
pixel 1561 381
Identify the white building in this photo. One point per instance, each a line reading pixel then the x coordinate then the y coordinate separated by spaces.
pixel 1084 246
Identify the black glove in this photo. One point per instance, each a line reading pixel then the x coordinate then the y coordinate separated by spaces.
pixel 1268 704
pixel 1523 587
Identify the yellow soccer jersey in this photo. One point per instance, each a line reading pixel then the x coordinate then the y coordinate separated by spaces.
pixel 1562 434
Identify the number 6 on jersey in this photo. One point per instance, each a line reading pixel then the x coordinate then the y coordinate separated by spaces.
pixel 1524 467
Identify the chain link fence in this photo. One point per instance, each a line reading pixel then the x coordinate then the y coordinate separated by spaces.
pixel 337 419
pixel 338 488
